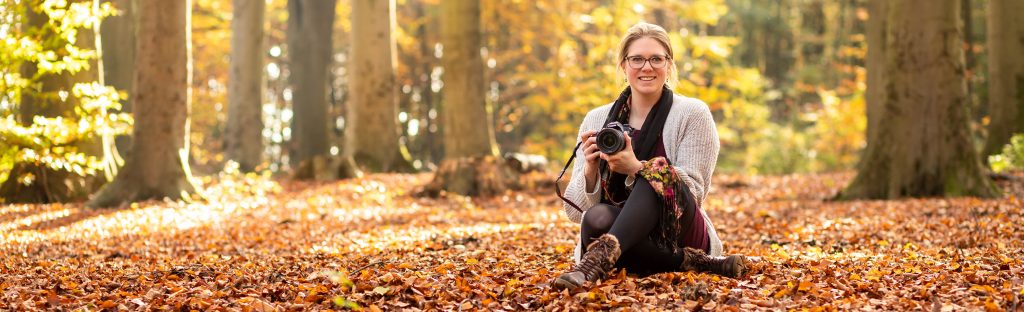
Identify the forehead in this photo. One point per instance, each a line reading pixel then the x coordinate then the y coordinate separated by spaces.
pixel 645 46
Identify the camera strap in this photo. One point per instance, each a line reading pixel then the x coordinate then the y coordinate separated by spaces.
pixel 558 190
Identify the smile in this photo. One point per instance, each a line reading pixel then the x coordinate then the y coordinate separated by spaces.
pixel 646 78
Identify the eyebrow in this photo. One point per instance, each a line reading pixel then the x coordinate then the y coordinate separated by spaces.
pixel 660 55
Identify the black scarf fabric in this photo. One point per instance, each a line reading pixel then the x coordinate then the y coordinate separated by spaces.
pixel 643 146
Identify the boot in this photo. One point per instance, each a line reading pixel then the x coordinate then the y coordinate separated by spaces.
pixel 696 260
pixel 599 259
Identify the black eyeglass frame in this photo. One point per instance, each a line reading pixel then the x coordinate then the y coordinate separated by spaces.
pixel 665 58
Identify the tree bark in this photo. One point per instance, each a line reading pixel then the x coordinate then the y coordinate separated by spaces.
pixel 471 166
pixel 1006 73
pixel 922 147
pixel 244 140
pixel 875 63
pixel 310 24
pixel 157 165
pixel 372 130
pixel 118 35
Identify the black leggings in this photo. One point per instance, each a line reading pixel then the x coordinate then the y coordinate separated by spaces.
pixel 632 225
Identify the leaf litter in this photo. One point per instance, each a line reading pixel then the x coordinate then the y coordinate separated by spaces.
pixel 368 244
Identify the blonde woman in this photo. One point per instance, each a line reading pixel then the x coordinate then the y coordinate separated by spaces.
pixel 638 196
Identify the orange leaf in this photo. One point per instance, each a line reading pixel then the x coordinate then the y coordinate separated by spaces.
pixel 108 304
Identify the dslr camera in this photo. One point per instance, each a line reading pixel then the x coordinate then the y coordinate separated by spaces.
pixel 612 138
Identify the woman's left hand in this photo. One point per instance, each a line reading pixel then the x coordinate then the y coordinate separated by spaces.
pixel 623 161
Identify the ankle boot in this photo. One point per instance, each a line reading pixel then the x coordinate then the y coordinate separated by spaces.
pixel 696 260
pixel 599 259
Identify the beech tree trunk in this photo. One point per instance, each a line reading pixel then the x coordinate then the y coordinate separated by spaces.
pixel 157 166
pixel 244 140
pixel 310 24
pixel 875 63
pixel 372 129
pixel 118 34
pixel 922 146
pixel 1006 73
pixel 471 166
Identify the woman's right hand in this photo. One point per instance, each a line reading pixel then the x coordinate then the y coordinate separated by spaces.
pixel 591 153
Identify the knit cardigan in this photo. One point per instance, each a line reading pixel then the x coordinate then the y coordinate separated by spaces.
pixel 691 144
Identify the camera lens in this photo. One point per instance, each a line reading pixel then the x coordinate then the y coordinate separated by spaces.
pixel 610 140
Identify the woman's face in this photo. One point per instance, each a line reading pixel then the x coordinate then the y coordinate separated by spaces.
pixel 647 79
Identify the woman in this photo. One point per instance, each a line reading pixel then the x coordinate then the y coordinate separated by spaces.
pixel 642 203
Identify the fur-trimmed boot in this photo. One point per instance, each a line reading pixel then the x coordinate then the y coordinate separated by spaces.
pixel 696 260
pixel 599 259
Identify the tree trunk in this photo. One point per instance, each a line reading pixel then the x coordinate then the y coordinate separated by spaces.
pixel 58 185
pixel 831 38
pixel 922 147
pixel 118 34
pixel 1006 73
pixel 471 166
pixel 875 63
pixel 244 140
pixel 432 151
pixel 969 60
pixel 310 24
pixel 372 130
pixel 157 165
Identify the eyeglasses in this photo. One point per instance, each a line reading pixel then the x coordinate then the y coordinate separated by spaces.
pixel 637 62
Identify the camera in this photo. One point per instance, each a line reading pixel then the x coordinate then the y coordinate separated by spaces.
pixel 612 138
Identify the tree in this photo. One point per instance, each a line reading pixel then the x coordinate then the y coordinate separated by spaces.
pixel 470 165
pixel 875 63
pixel 372 131
pixel 1006 73
pixel 157 166
pixel 922 146
pixel 118 35
pixel 244 140
pixel 310 24
pixel 59 85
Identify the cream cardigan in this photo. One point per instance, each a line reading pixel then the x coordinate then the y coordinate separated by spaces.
pixel 691 144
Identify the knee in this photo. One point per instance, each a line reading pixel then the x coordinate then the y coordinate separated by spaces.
pixel 600 218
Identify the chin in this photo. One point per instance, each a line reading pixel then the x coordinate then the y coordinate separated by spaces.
pixel 648 89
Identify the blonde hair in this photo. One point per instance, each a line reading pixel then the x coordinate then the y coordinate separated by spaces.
pixel 648 30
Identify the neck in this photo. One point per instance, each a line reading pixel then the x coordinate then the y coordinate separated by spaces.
pixel 641 104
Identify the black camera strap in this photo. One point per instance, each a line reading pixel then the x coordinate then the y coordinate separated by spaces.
pixel 558 190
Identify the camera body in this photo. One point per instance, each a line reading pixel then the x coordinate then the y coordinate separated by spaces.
pixel 612 138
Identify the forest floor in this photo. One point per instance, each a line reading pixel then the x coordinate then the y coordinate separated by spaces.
pixel 258 244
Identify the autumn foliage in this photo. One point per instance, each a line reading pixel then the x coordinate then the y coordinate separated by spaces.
pixel 368 244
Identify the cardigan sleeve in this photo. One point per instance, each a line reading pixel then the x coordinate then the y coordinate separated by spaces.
pixel 697 150
pixel 576 190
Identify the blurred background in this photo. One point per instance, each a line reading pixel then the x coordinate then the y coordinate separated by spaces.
pixel 784 79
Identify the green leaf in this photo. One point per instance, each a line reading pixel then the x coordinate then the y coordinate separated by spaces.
pixel 345 304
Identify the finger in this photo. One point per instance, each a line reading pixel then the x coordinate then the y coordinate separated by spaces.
pixel 587 134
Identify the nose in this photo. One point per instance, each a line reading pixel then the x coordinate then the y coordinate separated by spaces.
pixel 647 66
